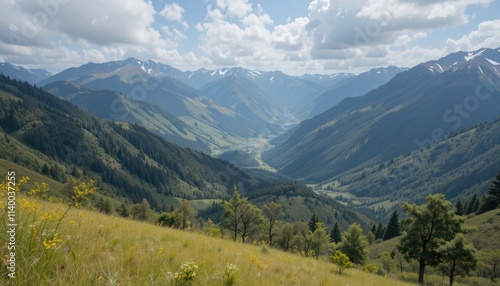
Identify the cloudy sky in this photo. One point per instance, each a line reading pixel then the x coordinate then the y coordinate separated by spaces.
pixel 295 36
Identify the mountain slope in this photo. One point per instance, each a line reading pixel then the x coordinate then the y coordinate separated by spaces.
pixel 214 124
pixel 415 108
pixel 280 88
pixel 243 97
pixel 459 165
pixel 353 86
pixel 115 106
pixel 40 129
pixel 148 67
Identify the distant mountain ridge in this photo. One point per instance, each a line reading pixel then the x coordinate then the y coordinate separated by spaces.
pixel 115 106
pixel 30 75
pixel 415 108
pixel 348 86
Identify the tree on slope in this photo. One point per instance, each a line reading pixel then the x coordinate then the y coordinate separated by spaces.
pixel 231 217
pixel 392 229
pixel 429 226
pixel 336 235
pixel 272 214
pixel 458 257
pixel 312 222
pixel 240 217
pixel 353 244
pixel 251 218
pixel 491 199
pixel 320 241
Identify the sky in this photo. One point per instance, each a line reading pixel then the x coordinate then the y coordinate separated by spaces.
pixel 294 36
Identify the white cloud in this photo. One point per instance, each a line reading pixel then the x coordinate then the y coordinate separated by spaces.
pixel 108 22
pixel 291 36
pixel 174 13
pixel 243 41
pixel 372 30
pixel 333 35
pixel 486 36
pixel 235 8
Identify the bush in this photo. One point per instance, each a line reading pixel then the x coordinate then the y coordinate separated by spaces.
pixel 370 268
pixel 342 261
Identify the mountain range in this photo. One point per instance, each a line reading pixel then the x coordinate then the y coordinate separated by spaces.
pixel 30 75
pixel 415 108
pixel 358 131
pixel 53 137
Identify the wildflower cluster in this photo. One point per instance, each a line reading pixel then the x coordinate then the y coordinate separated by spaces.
pixel 40 190
pixel 52 242
pixel 186 274
pixel 81 191
pixel 257 262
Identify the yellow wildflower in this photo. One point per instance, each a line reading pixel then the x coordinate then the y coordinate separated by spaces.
pixel 81 191
pixel 46 216
pixel 47 245
pixel 53 242
pixel 40 190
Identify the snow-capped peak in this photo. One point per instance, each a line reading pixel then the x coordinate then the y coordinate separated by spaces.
pixel 471 55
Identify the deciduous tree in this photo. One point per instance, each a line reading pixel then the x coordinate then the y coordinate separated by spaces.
pixel 272 214
pixel 320 241
pixel 354 244
pixel 458 257
pixel 429 225
pixel 240 216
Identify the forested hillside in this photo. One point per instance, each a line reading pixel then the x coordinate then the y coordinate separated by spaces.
pixel 132 162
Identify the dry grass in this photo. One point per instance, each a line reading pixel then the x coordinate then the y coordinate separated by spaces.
pixel 96 249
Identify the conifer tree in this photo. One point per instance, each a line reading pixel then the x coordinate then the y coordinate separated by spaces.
pixel 459 208
pixel 335 234
pixel 472 205
pixel 312 222
pixel 491 199
pixel 392 229
pixel 123 211
pixel 380 231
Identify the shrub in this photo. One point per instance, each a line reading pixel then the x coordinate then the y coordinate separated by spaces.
pixel 341 260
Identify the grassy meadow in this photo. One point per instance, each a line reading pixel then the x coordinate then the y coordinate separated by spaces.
pixel 58 245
